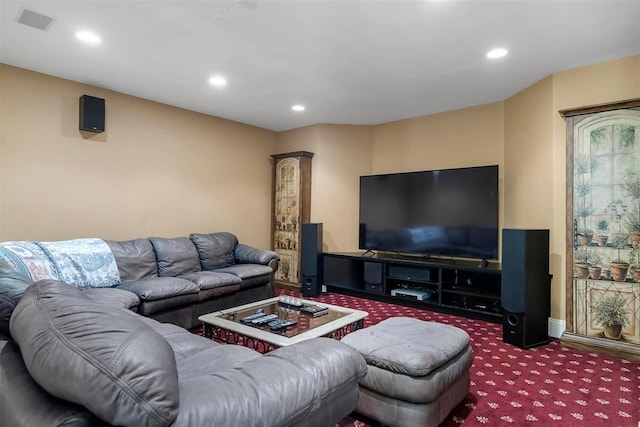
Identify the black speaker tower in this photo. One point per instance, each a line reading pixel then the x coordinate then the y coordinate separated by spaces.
pixel 311 263
pixel 526 287
pixel 91 114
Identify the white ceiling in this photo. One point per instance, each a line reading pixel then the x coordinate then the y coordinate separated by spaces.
pixel 347 61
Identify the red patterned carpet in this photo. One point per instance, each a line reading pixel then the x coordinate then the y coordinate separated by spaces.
pixel 544 386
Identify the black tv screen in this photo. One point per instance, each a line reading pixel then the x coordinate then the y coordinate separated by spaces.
pixel 450 212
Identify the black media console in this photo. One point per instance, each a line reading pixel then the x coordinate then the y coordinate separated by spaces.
pixel 467 288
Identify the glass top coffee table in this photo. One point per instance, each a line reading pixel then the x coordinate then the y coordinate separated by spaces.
pixel 232 325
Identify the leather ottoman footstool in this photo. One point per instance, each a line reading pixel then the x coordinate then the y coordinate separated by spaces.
pixel 417 371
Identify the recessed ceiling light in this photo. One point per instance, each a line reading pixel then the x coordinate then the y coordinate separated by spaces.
pixel 298 108
pixel 497 53
pixel 218 81
pixel 88 37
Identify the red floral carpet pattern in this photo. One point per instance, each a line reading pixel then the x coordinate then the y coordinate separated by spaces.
pixel 544 386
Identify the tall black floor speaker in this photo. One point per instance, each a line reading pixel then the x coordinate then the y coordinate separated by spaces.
pixel 311 263
pixel 526 287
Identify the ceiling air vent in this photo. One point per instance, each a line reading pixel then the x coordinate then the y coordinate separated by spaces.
pixel 35 20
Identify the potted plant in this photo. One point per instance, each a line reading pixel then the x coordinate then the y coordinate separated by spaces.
pixel 602 236
pixel 585 236
pixel 581 264
pixel 593 258
pixel 618 267
pixel 612 313
pixel 634 261
pixel 633 225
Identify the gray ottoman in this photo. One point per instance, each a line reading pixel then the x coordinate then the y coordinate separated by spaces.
pixel 417 371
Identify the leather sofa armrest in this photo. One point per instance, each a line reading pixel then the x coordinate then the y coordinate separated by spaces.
pixel 245 254
pixel 274 263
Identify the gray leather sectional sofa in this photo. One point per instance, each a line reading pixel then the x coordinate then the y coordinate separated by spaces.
pixel 173 280
pixel 179 279
pixel 74 358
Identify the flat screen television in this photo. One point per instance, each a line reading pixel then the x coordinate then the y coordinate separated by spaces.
pixel 449 212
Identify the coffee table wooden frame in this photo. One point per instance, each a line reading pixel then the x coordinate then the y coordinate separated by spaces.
pixel 231 332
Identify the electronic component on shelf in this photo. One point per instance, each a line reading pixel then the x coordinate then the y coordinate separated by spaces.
pixel 418 294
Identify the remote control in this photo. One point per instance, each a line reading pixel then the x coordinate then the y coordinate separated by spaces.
pixel 251 317
pixel 264 319
pixel 280 324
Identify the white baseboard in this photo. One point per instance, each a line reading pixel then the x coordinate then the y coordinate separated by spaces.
pixel 556 327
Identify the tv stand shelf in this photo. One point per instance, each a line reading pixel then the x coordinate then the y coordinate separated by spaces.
pixel 467 288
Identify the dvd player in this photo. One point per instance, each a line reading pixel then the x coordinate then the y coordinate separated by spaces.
pixel 418 294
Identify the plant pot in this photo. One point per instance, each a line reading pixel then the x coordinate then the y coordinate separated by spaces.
pixel 606 274
pixel 602 240
pixel 584 239
pixel 613 332
pixel 636 273
pixel 581 270
pixel 634 237
pixel 619 270
pixel 595 272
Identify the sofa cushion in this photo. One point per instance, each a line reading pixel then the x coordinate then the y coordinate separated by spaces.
pixel 169 304
pixel 196 354
pixel 175 256
pixel 135 258
pixel 160 287
pixel 212 293
pixel 215 249
pixel 12 286
pixel 310 383
pixel 212 279
pixel 92 354
pixel 113 297
pixel 252 275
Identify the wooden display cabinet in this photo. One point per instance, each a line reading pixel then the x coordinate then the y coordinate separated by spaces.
pixel 291 207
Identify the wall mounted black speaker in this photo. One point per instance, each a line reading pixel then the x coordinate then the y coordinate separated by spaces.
pixel 91 114
pixel 311 262
pixel 526 290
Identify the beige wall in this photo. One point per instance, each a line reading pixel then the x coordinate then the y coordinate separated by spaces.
pixel 468 137
pixel 157 170
pixel 342 154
